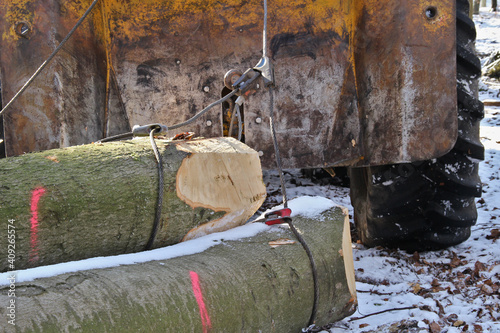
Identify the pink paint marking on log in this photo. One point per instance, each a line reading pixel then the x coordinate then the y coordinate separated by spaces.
pixel 36 194
pixel 205 318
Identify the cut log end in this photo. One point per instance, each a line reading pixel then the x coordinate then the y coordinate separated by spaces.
pixel 348 256
pixel 231 182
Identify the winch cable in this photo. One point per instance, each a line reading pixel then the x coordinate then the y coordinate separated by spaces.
pixel 46 62
pixel 187 122
pixel 289 220
pixel 159 200
pixel 282 181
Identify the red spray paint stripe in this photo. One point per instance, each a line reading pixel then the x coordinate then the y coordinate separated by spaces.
pixel 36 194
pixel 205 319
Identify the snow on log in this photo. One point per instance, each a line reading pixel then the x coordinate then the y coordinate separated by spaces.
pixel 99 199
pixel 251 284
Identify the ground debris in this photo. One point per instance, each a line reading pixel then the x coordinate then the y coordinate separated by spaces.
pixel 495 234
pixel 434 327
pixel 404 326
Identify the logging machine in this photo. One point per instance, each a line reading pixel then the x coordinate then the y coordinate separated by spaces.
pixel 386 88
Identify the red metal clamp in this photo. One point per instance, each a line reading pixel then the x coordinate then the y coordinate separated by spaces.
pixel 277 216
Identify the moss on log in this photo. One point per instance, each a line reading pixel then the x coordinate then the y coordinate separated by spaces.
pixel 99 199
pixel 234 286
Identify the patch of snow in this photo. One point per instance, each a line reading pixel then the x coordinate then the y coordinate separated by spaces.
pixel 307 206
pixel 450 168
pixel 185 248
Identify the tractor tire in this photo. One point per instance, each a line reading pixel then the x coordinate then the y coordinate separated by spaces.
pixel 428 205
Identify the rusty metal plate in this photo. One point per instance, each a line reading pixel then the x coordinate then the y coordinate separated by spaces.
pixel 357 82
pixel 65 104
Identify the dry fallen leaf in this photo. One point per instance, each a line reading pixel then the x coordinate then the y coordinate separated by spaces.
pixel 495 234
pixel 478 267
pixel 455 261
pixel 487 289
pixel 416 288
pixel 183 136
pixel 52 158
pixel 434 327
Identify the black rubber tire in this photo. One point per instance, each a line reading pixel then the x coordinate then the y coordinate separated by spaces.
pixel 431 204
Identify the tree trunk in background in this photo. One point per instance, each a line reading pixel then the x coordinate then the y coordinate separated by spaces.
pixel 491 66
pixel 234 286
pixel 476 6
pixel 98 200
pixel 493 69
pixel 494 5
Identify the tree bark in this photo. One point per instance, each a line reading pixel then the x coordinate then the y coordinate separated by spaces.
pixel 234 286
pixel 97 200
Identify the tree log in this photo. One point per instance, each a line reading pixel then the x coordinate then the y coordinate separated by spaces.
pixel 491 66
pixel 493 69
pixel 235 286
pixel 99 199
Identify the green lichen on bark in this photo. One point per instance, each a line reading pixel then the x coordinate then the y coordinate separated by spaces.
pixel 99 200
pixel 247 286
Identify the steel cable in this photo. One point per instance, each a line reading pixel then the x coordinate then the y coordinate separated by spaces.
pixel 283 187
pixel 285 204
pixel 264 31
pixel 187 122
pixel 240 123
pixel 159 200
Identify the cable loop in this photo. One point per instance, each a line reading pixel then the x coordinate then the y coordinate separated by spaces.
pixel 187 122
